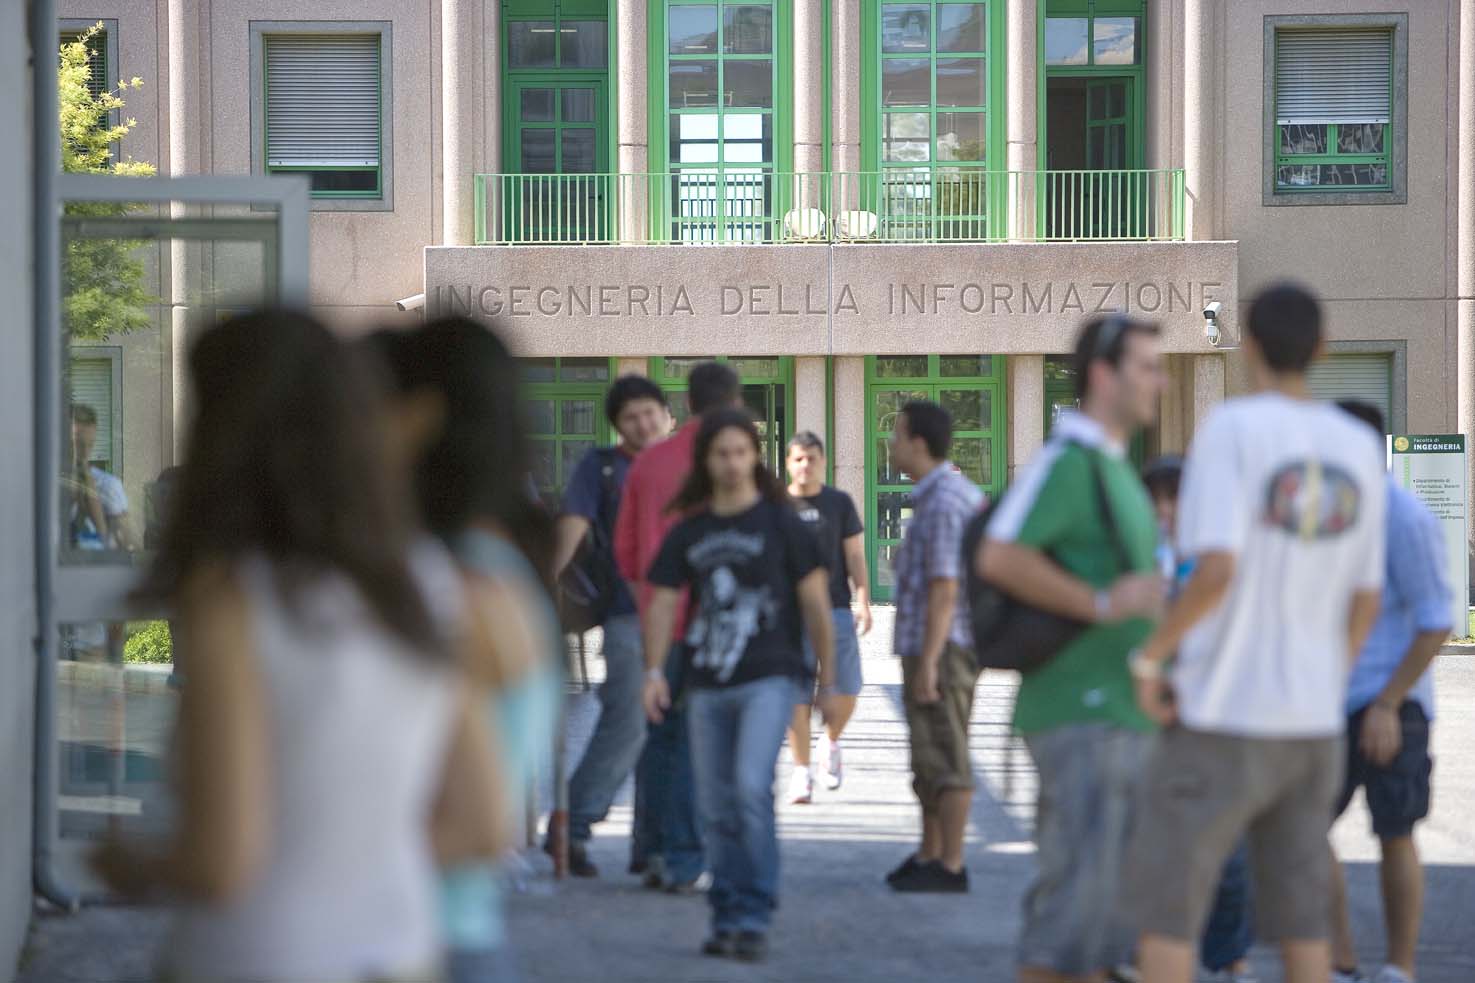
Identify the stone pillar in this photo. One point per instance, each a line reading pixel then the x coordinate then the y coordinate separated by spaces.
pixel 1026 409
pixel 805 190
pixel 460 47
pixel 632 366
pixel 1173 413
pixel 1200 118
pixel 848 442
pixel 846 59
pixel 1022 122
pixel 1162 41
pixel 1208 389
pixel 810 397
pixel 632 189
pixel 1465 247
pixel 186 259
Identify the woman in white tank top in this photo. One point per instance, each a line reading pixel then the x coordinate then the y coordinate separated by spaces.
pixel 329 756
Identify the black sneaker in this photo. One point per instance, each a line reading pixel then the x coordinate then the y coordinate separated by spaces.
pixel 932 878
pixel 579 863
pixel 752 947
pixel 721 944
pixel 907 866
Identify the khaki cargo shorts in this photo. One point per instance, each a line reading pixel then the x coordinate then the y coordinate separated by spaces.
pixel 1201 794
pixel 939 731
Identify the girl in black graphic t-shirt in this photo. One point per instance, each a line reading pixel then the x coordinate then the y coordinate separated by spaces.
pixel 757 583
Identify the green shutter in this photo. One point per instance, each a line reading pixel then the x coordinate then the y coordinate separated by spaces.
pixel 97 60
pixel 322 101
pixel 92 386
pixel 1364 377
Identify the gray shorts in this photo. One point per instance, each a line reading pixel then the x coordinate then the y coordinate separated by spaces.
pixel 848 680
pixel 1206 791
pixel 1090 775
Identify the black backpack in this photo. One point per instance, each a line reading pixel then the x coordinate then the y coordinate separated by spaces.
pixel 1008 633
pixel 588 585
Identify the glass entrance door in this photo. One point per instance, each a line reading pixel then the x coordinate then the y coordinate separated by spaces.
pixel 768 393
pixel 1092 190
pixel 559 148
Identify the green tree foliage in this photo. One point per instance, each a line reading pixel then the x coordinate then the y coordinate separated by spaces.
pixel 102 279
pixel 150 642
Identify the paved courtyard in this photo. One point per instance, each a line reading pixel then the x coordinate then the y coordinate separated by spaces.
pixel 838 922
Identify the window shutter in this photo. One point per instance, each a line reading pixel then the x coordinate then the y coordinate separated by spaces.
pixel 1367 378
pixel 1333 76
pixel 97 60
pixel 322 100
pixel 92 386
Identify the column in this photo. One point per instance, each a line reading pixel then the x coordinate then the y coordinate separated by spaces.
pixel 1022 124
pixel 1162 43
pixel 848 442
pixel 810 394
pixel 1173 421
pixel 185 258
pixel 632 188
pixel 1465 247
pixel 1208 389
pixel 460 45
pixel 809 105
pixel 845 64
pixel 1200 127
pixel 1026 409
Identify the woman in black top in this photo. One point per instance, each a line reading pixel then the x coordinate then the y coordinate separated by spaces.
pixel 757 582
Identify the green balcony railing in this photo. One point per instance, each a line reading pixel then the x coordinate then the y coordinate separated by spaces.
pixel 904 204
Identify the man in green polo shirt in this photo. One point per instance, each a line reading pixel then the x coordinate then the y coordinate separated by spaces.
pixel 1051 544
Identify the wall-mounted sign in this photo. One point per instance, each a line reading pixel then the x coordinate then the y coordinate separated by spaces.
pixel 1432 466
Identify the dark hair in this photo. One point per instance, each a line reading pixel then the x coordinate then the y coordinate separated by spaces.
pixel 1105 339
pixel 84 414
pixel 807 439
pixel 696 490
pixel 480 465
pixel 711 386
pixel 1285 321
pixel 1163 476
pixel 1366 412
pixel 932 423
pixel 627 389
pixel 284 459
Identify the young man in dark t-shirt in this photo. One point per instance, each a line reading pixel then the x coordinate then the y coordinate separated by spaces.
pixel 830 514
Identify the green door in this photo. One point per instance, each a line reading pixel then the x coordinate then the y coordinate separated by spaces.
pixel 768 394
pixel 558 147
pixel 563 409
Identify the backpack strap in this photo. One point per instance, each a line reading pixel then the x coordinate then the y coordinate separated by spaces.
pixel 1108 514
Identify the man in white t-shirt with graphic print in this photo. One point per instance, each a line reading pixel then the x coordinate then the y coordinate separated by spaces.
pixel 1282 511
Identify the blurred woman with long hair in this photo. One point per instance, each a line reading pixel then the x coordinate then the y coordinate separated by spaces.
pixel 327 755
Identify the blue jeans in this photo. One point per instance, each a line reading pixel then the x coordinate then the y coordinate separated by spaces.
pixel 614 747
pixel 736 733
pixel 1230 930
pixel 666 815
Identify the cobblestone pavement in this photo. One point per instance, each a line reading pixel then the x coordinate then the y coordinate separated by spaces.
pixel 837 921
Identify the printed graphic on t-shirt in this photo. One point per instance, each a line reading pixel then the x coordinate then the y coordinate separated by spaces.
pixel 1312 500
pixel 728 614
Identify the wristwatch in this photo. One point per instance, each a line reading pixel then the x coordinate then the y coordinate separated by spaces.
pixel 655 675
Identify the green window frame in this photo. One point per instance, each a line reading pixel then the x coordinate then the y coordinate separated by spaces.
pixel 768 393
pixel 972 388
pixel 723 125
pixel 354 169
pixel 537 32
pixel 1323 151
pixel 1060 394
pixel 563 409
pixel 1101 29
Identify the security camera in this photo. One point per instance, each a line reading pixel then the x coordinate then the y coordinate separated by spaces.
pixel 1211 322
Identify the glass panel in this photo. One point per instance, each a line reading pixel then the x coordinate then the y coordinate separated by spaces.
pixel 578 151
pixel 537 105
pixel 755 368
pixel 747 30
pixel 888 404
pixel 960 82
pixel 1116 100
pixel 906 82
pixel 964 366
pixel 693 83
pixel 893 511
pixel 749 84
pixel 1097 102
pixel 680 366
pixel 578 105
pixel 545 472
pixel 747 138
pixel 531 44
pixel 972 456
pixel 584 370
pixel 536 370
pixel 1360 138
pixel 1065 40
pixel 902 367
pixel 1115 41
pixel 1303 138
pixel 886 472
pixel 692 30
pixel 906 26
pixel 339 181
pixel 585 44
pixel 906 137
pixel 960 27
pixel 969 408
pixel 569 453
pixel 537 151
pixel 538 415
pixel 694 138
pixel 577 416
pixel 885 566
pixel 1332 175
pixel 960 136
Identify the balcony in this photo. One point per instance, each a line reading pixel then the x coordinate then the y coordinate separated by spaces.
pixel 900 205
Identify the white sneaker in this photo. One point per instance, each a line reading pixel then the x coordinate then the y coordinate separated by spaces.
pixel 1338 976
pixel 801 787
pixel 1392 974
pixel 833 770
pixel 1228 976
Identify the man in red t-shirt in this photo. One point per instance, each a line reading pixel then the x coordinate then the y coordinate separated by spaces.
pixel 668 846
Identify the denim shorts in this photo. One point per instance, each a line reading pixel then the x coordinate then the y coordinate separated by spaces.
pixel 1397 794
pixel 848 680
